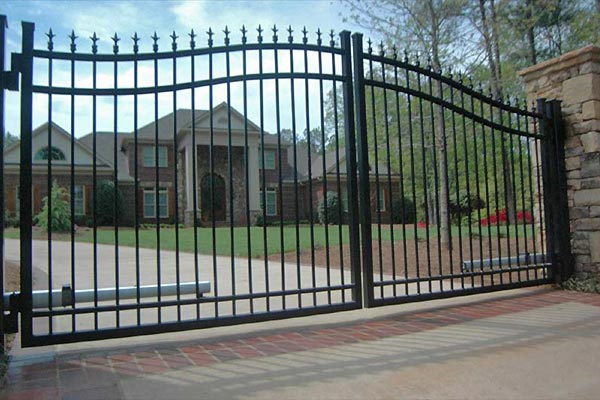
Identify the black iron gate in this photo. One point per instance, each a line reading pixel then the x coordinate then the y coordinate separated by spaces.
pixel 460 192
pixel 161 202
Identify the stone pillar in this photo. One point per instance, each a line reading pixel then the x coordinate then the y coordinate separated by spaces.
pixel 574 79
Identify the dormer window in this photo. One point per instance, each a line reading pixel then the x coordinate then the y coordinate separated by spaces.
pixel 49 153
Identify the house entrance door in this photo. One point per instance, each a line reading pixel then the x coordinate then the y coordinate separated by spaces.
pixel 212 198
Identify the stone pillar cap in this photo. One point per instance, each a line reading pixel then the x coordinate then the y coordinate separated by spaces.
pixel 567 60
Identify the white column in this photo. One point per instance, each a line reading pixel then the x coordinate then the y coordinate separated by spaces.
pixel 189 184
pixel 254 183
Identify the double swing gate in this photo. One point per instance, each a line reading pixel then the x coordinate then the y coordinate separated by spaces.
pixel 164 190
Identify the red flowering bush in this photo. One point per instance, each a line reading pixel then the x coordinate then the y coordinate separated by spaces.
pixel 421 224
pixel 501 217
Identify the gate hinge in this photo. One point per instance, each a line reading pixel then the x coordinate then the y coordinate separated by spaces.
pixel 11 320
pixel 10 79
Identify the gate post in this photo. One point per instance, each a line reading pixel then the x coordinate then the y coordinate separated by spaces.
pixel 554 194
pixel 564 267
pixel 349 133
pixel 2 132
pixel 25 182
pixel 363 171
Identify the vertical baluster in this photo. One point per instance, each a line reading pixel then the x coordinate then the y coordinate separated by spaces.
pixel 341 211
pixel 247 169
pixel 49 185
pixel 157 190
pixel 296 193
pixel 94 39
pixel 487 194
pixel 174 38
pixel 73 48
pixel 263 184
pixel 136 39
pixel 115 40
pixel 389 171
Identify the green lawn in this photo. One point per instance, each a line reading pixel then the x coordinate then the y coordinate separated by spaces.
pixel 147 237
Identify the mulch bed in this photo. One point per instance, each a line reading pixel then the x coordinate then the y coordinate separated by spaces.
pixel 433 260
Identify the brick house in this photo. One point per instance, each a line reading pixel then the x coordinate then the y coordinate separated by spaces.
pixel 161 186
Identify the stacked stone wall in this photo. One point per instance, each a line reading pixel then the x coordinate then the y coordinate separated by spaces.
pixel 574 79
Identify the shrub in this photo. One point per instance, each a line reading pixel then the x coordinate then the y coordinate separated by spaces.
pixel 404 211
pixel 467 204
pixel 260 221
pixel 329 209
pixel 11 220
pixel 60 214
pixel 105 203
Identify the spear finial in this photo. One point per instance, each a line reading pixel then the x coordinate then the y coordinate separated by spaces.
pixel 210 34
pixel 94 39
pixel 226 32
pixel 135 39
pixel 260 36
pixel 174 38
pixel 244 31
pixel 304 37
pixel 51 36
pixel 155 40
pixel 192 36
pixel 115 40
pixel 73 45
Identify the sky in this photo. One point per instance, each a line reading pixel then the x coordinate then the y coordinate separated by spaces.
pixel 145 17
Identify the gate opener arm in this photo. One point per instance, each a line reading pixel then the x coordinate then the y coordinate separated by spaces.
pixel 67 297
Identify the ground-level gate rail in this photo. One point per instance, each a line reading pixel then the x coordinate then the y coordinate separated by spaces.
pixel 416 133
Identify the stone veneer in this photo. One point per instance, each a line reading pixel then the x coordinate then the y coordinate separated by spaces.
pixel 574 79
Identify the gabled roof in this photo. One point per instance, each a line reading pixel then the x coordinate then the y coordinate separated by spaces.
pixel 165 124
pixel 105 150
pixel 43 128
pixel 223 105
pixel 331 162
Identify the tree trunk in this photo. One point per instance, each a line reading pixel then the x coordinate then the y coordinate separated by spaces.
pixel 530 32
pixel 491 48
pixel 440 143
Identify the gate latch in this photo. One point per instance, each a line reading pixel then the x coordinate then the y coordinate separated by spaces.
pixel 10 79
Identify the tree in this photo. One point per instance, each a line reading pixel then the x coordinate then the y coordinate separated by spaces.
pixel 10 139
pixel 434 28
pixel 109 204
pixel 55 215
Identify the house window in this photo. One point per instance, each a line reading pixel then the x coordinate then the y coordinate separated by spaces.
pixel 79 199
pixel 269 161
pixel 270 195
pixel 381 205
pixel 344 199
pixel 149 153
pixel 150 203
pixel 49 153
